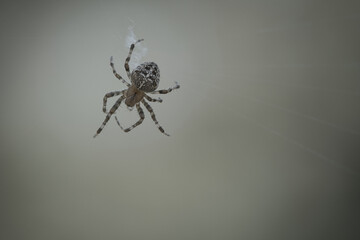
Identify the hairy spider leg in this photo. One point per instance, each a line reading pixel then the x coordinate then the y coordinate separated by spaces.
pixel 149 108
pixel 152 99
pixel 109 95
pixel 112 111
pixel 165 91
pixel 116 74
pixel 127 68
pixel 142 117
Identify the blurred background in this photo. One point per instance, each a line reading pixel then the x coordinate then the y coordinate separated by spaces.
pixel 265 129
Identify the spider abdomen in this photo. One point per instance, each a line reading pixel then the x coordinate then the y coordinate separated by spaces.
pixel 146 76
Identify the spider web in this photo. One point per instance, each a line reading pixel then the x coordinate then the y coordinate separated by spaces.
pixel 292 140
pixel 139 51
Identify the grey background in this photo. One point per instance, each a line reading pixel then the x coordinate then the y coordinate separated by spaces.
pixel 265 129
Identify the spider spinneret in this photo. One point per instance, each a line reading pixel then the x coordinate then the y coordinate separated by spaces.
pixel 144 79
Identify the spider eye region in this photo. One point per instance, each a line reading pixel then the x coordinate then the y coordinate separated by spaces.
pixel 146 76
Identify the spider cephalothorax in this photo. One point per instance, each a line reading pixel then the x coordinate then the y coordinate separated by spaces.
pixel 144 79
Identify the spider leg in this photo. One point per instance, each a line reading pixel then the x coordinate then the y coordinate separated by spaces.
pixel 127 68
pixel 142 116
pixel 149 108
pixel 152 99
pixel 111 112
pixel 165 91
pixel 109 95
pixel 116 74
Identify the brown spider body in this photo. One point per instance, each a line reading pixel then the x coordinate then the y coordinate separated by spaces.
pixel 133 95
pixel 146 76
pixel 144 79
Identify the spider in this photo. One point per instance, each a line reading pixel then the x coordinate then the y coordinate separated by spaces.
pixel 144 79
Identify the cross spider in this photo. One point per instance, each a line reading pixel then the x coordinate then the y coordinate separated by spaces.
pixel 144 79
